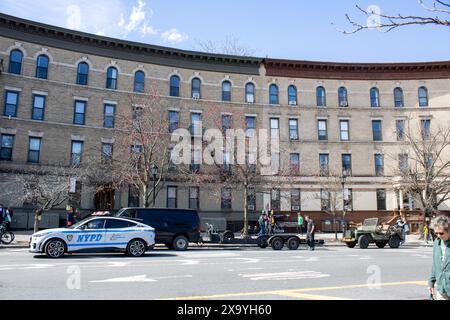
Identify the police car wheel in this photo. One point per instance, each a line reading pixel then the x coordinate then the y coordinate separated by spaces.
pixel 136 248
pixel 55 249
pixel 180 243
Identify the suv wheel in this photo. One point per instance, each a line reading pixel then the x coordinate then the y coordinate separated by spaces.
pixel 364 242
pixel 180 243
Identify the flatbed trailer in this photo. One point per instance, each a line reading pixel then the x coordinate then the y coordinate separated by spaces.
pixel 291 240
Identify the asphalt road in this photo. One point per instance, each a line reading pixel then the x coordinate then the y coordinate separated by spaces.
pixel 333 272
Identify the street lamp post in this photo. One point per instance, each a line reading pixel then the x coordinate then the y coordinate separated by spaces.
pixel 154 170
pixel 343 178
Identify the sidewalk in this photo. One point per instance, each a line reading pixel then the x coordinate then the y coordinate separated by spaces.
pixel 22 239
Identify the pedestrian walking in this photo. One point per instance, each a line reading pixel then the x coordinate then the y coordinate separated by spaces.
pixel 299 223
pixel 7 218
pixel 70 217
pixel 425 232
pixel 266 222
pixel 310 231
pixel 2 213
pixel 261 224
pixel 439 282
pixel 77 217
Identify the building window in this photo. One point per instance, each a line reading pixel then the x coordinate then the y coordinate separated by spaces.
pixel 275 163
pixel 294 161
pixel 348 199
pixel 321 97
pixel 83 73
pixel 376 130
pixel 15 62
pixel 323 163
pixel 251 199
pixel 400 129
pixel 275 199
pixel 11 103
pixel 226 91
pixel 250 158
pixel 295 200
pixel 381 199
pixel 227 162
pixel 139 81
pixel 7 147
pixel 322 129
pixel 374 98
pixel 80 112
pixel 174 86
pixel 250 123
pixel 347 164
pixel 172 193
pixel 403 162
pixel 274 128
pixel 425 128
pixel 325 200
pixel 34 150
pixel 111 78
pixel 343 97
pixel 193 197
pixel 109 115
pixel 107 152
pixel 38 107
pixel 398 97
pixel 292 95
pixel 77 152
pixel 250 93
pixel 196 124
pixel 379 165
pixel 196 88
pixel 345 131
pixel 133 197
pixel 42 67
pixel 423 97
pixel 226 123
pixel 174 119
pixel 225 199
pixel 273 94
pixel 195 159
pixel 293 129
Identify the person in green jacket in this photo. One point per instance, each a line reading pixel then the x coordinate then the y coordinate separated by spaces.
pixel 439 282
pixel 299 223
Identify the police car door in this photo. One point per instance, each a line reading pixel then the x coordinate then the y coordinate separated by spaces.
pixel 90 237
pixel 118 233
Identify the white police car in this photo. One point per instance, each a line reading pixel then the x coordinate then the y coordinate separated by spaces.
pixel 98 234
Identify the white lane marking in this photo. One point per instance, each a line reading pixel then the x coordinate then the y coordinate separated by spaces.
pixel 247 260
pixel 188 262
pixel 366 258
pixel 209 255
pixel 423 256
pixel 312 259
pixel 118 264
pixel 139 279
pixel 285 275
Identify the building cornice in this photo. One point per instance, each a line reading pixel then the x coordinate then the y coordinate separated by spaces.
pixel 38 33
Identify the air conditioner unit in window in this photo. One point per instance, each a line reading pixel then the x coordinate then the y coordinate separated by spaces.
pixel 250 98
pixel 251 207
pixel 196 95
pixel 292 103
pixel 295 208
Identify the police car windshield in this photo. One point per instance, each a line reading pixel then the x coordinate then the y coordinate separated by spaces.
pixel 118 213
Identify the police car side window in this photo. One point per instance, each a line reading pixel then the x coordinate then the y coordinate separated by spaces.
pixel 117 224
pixel 95 224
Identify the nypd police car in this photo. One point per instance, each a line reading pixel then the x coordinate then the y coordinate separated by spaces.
pixel 97 234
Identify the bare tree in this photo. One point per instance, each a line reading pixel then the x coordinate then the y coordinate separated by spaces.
pixel 425 172
pixel 437 13
pixel 231 46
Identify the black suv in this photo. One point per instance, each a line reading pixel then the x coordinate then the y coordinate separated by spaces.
pixel 174 227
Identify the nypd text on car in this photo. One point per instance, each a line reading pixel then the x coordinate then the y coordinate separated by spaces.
pixel 98 234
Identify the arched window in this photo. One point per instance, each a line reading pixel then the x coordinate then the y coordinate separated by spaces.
pixel 250 93
pixel 343 97
pixel 374 98
pixel 174 86
pixel 423 97
pixel 139 81
pixel 83 73
pixel 226 91
pixel 321 97
pixel 273 94
pixel 292 95
pixel 15 62
pixel 196 88
pixel 398 97
pixel 111 78
pixel 42 67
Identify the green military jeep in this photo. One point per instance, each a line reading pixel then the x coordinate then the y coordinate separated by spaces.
pixel 372 232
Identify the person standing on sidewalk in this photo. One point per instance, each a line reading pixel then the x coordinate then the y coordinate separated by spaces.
pixel 310 231
pixel 439 281
pixel 299 223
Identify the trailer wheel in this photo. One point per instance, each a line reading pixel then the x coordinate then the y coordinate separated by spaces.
pixel 277 243
pixel 293 243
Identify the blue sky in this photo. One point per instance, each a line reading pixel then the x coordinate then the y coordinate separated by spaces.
pixel 291 29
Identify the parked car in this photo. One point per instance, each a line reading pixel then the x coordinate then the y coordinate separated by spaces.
pixel 97 234
pixel 174 227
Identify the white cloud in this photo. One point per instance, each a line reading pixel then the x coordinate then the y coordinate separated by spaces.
pixel 100 33
pixel 148 30
pixel 122 21
pixel 73 20
pixel 136 17
pixel 173 36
